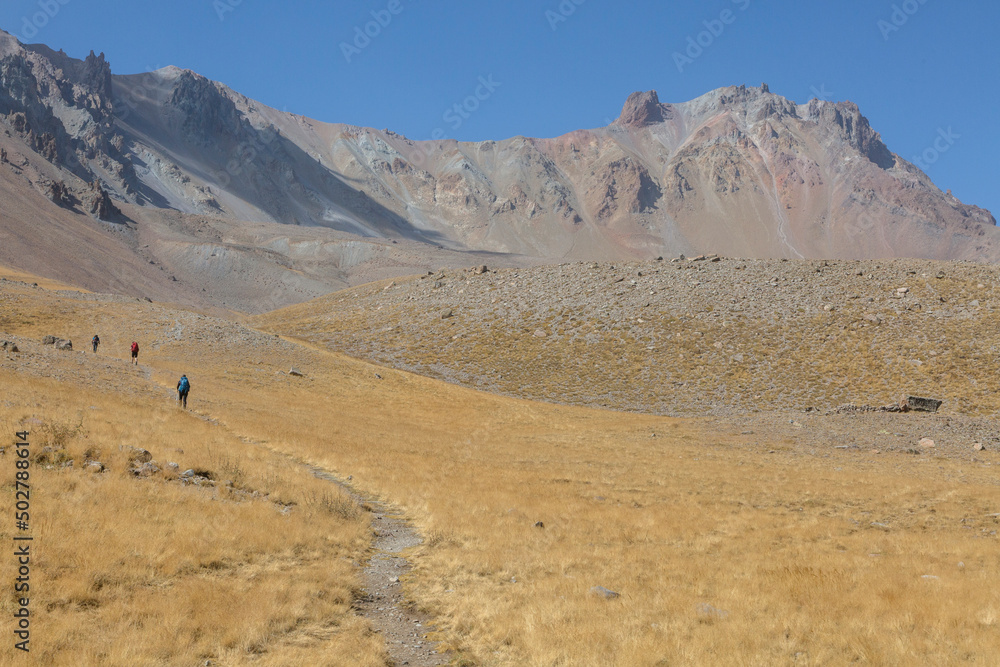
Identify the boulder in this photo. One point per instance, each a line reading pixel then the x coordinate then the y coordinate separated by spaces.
pixel 137 455
pixel 64 345
pixel 920 404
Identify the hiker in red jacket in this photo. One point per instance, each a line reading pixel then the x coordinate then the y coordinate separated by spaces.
pixel 135 353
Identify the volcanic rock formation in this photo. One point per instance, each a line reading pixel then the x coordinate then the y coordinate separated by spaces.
pixel 739 171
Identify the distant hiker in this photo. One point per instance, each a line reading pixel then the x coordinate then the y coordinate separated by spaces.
pixel 183 387
pixel 95 341
pixel 135 353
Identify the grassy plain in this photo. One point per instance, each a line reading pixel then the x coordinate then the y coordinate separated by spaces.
pixel 724 549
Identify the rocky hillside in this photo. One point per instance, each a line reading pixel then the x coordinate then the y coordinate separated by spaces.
pixel 232 199
pixel 685 338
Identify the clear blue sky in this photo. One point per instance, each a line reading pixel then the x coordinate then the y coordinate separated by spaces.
pixel 938 71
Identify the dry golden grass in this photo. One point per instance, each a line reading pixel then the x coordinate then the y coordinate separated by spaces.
pixel 723 553
pixel 257 569
pixel 788 547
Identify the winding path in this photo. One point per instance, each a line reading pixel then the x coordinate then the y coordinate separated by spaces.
pixel 385 606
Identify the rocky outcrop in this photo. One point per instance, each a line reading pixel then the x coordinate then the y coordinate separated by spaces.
pixel 623 186
pixel 100 204
pixel 854 128
pixel 642 109
pixel 59 194
pixel 208 116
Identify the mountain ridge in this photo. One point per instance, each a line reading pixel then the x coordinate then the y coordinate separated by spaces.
pixel 738 171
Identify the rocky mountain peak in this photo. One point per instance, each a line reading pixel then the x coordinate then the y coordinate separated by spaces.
pixel 847 118
pixel 642 109
pixel 208 114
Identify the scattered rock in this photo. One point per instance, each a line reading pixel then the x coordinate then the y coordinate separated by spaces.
pixel 93 466
pixel 874 318
pixel 979 447
pixel 926 443
pixel 605 593
pixel 147 469
pixel 59 343
pixel 539 333
pixel 173 466
pixel 539 524
pixel 187 474
pixel 9 346
pixel 296 372
pixel 446 314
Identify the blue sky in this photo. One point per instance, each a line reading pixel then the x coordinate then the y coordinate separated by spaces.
pixel 919 69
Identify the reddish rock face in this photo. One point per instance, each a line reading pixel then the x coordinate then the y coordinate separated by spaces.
pixel 642 109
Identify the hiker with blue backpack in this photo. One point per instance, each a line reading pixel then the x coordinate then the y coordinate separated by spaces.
pixel 183 387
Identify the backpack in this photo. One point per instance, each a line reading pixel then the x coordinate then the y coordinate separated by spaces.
pixel 135 347
pixel 183 385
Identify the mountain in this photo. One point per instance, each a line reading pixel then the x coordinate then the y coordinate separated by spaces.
pixel 173 171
